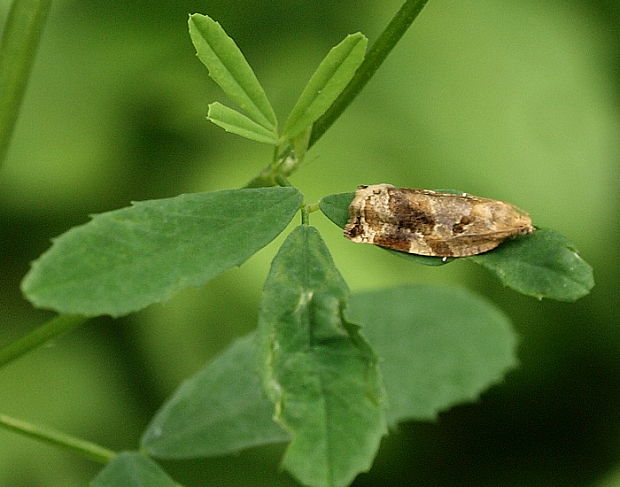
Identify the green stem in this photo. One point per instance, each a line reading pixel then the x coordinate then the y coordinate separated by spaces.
pixel 375 57
pixel 306 209
pixel 312 207
pixel 44 333
pixel 282 181
pixel 19 44
pixel 87 449
pixel 305 215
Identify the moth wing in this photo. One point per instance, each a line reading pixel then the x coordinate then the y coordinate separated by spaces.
pixel 466 245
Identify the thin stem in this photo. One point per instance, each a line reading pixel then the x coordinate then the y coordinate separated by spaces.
pixel 44 333
pixel 19 44
pixel 274 156
pixel 87 449
pixel 312 207
pixel 306 209
pixel 282 181
pixel 305 215
pixel 375 57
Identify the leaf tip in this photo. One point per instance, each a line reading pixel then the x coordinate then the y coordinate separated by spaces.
pixel 192 18
pixel 360 36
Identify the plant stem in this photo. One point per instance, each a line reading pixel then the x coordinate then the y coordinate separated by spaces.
pixel 305 215
pixel 19 44
pixel 312 207
pixel 375 57
pixel 282 181
pixel 84 448
pixel 306 209
pixel 44 333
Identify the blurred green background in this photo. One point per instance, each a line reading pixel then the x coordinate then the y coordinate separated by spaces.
pixel 510 100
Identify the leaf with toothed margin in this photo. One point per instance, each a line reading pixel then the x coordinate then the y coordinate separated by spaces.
pixel 544 264
pixel 318 370
pixel 237 123
pixel 124 260
pixel 328 81
pixel 219 410
pixel 130 469
pixel 438 346
pixel 230 70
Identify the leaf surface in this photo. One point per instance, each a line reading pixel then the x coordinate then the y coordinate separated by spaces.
pixel 320 373
pixel 543 264
pixel 237 123
pixel 132 470
pixel 439 346
pixel 327 82
pixel 220 410
pixel 124 260
pixel 229 69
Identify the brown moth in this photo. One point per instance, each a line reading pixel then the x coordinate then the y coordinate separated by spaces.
pixel 424 222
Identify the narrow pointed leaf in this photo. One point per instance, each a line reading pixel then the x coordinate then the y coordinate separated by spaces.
pixel 439 346
pixel 21 33
pixel 229 69
pixel 222 409
pixel 327 82
pixel 237 123
pixel 320 373
pixel 132 470
pixel 124 260
pixel 336 208
pixel 544 265
pixel 300 143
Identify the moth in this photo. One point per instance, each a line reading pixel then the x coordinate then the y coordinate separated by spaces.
pixel 424 222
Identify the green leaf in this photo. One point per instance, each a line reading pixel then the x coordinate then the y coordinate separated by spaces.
pixel 439 346
pixel 132 470
pixel 336 208
pixel 221 409
pixel 299 143
pixel 237 123
pixel 327 82
pixel 229 69
pixel 318 370
pixel 124 260
pixel 543 264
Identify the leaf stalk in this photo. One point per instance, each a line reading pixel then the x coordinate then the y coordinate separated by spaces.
pixel 39 336
pixel 85 448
